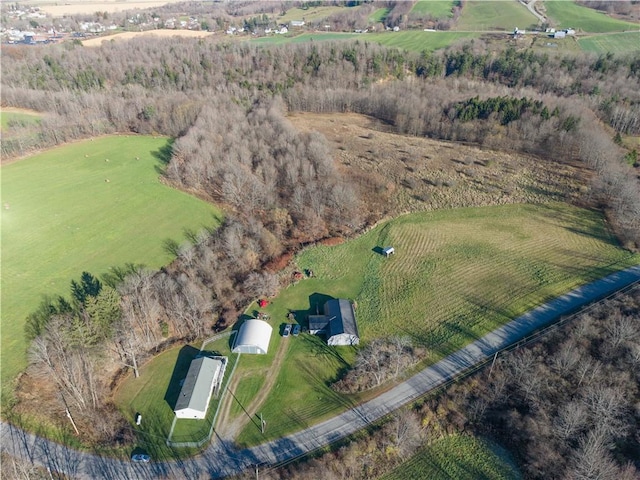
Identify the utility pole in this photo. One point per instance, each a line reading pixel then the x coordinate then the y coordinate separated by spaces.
pixel 492 364
pixel 68 412
pixel 263 424
pixel 257 466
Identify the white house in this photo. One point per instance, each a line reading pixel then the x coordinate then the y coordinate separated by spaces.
pixel 205 374
pixel 253 337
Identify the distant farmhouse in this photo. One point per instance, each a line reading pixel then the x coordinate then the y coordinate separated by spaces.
pixel 204 376
pixel 253 337
pixel 338 323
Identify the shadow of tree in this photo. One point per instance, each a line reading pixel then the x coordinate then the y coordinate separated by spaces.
pixel 180 369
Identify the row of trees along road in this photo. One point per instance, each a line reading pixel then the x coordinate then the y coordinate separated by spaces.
pixel 226 103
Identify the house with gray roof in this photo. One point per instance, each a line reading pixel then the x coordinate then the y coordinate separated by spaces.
pixel 204 376
pixel 338 323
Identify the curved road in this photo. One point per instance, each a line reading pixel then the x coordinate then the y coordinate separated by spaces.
pixel 221 459
pixel 530 7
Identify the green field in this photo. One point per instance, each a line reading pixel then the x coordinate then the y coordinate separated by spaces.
pixel 494 15
pixel 313 14
pixel 7 119
pixel 458 456
pixel 60 217
pixel 304 37
pixel 620 43
pixel 435 8
pixel 379 15
pixel 457 274
pixel 565 14
pixel 417 40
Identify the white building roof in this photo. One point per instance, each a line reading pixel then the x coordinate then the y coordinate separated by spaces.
pixel 253 333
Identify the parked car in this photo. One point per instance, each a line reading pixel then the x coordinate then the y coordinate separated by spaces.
pixel 296 330
pixel 141 458
pixel 287 330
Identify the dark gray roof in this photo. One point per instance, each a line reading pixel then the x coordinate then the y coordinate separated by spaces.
pixel 318 322
pixel 342 318
pixel 197 386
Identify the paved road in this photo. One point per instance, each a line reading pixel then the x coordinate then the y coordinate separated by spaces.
pixel 221 459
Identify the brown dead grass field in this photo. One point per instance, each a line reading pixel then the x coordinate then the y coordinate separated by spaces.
pixel 73 7
pixel 398 173
pixel 97 41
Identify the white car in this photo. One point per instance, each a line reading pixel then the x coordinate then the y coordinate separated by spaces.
pixel 141 458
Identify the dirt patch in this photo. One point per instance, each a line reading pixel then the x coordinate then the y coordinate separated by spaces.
pixel 230 430
pixel 397 173
pixel 329 242
pixel 26 111
pixel 96 42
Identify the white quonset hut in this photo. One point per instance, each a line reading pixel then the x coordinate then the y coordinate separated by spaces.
pixel 253 337
pixel 205 374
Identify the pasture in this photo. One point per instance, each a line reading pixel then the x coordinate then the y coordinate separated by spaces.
pixel 304 37
pixel 379 15
pixel 17 117
pixel 435 8
pixel 97 41
pixel 457 456
pixel 618 43
pixel 86 206
pixel 456 275
pixel 494 15
pixel 417 40
pixel 309 15
pixel 566 13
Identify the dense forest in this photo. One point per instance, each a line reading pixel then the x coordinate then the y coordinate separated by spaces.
pixel 226 105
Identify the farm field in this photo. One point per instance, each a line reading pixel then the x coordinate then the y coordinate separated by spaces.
pixel 417 40
pixel 619 43
pixel 457 456
pixel 312 14
pixel 71 7
pixel 457 274
pixel 379 15
pixel 8 117
pixel 435 8
pixel 494 15
pixel 61 217
pixel 97 41
pixel 304 37
pixel 566 13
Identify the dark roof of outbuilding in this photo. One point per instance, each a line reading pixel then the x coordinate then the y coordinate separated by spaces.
pixel 342 318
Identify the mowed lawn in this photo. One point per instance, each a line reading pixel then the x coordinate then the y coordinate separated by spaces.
pixel 494 15
pixel 435 8
pixel 566 13
pixel 69 210
pixel 620 43
pixel 457 456
pixel 456 275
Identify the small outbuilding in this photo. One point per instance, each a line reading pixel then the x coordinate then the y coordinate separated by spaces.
pixel 253 337
pixel 204 376
pixel 386 251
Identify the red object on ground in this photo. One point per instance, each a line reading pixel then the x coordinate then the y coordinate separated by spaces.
pixel 263 303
